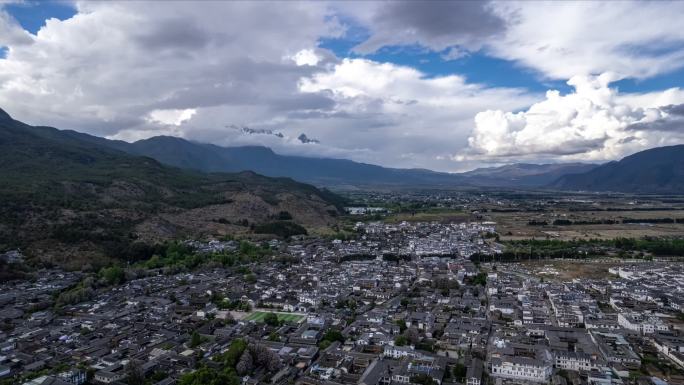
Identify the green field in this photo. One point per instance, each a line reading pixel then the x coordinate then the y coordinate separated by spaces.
pixel 258 316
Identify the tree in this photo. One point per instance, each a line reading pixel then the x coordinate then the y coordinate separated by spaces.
pixel 412 336
pixel 207 376
pixel 402 325
pixel 231 357
pixel 250 278
pixel 460 371
pixel 134 374
pixel 423 379
pixel 246 363
pixel 271 319
pixel 113 275
pixel 195 339
pixel 401 340
pixel 333 335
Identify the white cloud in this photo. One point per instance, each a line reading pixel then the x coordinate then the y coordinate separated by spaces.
pixel 406 117
pixel 11 33
pixel 564 39
pixel 557 39
pixel 112 64
pixel 306 57
pixel 593 123
pixel 172 117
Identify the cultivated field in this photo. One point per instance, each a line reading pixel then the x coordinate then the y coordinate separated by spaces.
pixel 429 216
pixel 567 270
pixel 515 225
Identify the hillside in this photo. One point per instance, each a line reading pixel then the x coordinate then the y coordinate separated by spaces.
pixel 524 174
pixel 185 154
pixel 65 197
pixel 658 170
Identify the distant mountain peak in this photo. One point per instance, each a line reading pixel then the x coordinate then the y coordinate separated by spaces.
pixel 4 116
pixel 305 139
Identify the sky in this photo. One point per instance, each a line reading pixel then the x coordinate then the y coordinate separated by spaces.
pixel 448 86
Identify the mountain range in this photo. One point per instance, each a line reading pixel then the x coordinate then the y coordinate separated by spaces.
pixel 330 172
pixel 658 170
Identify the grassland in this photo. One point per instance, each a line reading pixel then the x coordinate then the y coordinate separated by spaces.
pixel 258 316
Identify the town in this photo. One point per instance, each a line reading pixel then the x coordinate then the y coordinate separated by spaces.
pixel 400 303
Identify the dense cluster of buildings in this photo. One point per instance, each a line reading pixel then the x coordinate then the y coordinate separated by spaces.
pixel 419 239
pixel 430 317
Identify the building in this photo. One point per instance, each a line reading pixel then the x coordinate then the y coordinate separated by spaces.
pixel 521 368
pixel 474 372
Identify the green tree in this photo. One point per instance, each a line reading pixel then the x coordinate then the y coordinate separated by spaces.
pixel 423 379
pixel 207 376
pixel 401 340
pixel 234 352
pixel 113 275
pixel 271 319
pixel 195 339
pixel 333 335
pixel 459 371
pixel 402 325
pixel 134 374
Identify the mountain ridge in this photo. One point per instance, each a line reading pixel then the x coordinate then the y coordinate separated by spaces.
pixel 656 170
pixel 206 157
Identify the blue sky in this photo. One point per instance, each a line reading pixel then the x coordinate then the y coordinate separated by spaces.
pixel 33 14
pixel 475 66
pixel 372 81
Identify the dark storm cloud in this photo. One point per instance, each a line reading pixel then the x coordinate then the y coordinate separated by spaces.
pixel 674 109
pixel 177 33
pixel 445 18
pixel 436 24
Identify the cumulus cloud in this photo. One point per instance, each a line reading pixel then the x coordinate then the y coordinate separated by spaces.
pixel 171 117
pixel 564 39
pixel 109 67
pixel 593 123
pixel 669 121
pixel 11 33
pixel 406 117
pixel 306 57
pixel 557 39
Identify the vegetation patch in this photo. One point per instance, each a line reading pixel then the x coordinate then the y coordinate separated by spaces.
pixel 284 229
pixel 262 316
